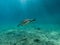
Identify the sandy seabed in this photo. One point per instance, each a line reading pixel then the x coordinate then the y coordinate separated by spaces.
pixel 30 36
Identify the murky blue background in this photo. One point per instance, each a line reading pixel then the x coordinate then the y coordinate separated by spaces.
pixel 45 11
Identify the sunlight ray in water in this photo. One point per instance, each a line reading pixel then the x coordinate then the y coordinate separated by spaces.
pixel 23 1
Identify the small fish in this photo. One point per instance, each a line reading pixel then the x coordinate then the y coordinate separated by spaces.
pixel 26 21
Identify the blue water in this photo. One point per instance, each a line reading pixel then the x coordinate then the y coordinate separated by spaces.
pixel 46 13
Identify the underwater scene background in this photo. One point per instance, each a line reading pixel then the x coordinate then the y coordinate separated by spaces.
pixel 45 30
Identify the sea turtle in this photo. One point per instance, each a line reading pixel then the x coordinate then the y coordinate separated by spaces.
pixel 26 21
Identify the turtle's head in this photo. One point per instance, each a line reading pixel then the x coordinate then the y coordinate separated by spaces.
pixel 34 19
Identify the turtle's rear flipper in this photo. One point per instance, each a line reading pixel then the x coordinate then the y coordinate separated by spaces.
pixel 18 25
pixel 22 24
